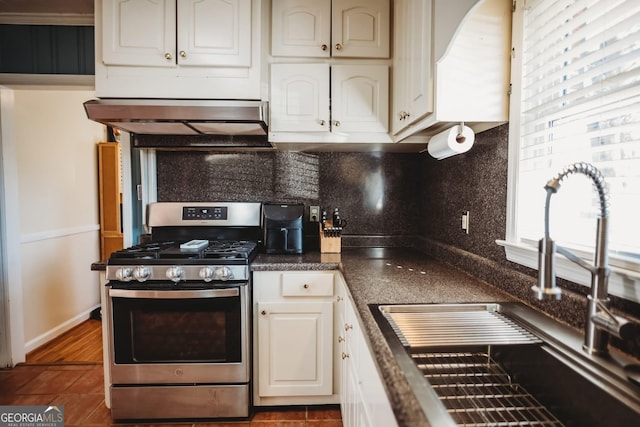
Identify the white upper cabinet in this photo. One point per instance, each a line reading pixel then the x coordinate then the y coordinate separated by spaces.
pixel 301 28
pixel 301 107
pixel 178 49
pixel 139 32
pixel 326 28
pixel 214 32
pixel 359 98
pixel 360 28
pixel 165 33
pixel 300 98
pixel 412 95
pixel 451 65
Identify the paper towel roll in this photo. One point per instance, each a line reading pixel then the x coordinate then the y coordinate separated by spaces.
pixel 450 142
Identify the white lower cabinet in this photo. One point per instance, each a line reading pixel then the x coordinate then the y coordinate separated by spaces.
pixel 363 399
pixel 309 347
pixel 294 355
pixel 294 344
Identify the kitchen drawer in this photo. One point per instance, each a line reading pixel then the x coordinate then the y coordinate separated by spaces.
pixel 307 284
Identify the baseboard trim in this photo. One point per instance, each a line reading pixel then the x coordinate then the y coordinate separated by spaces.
pixel 58 330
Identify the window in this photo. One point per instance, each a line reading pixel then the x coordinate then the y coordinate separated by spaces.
pixel 576 97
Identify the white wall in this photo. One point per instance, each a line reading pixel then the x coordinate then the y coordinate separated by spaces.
pixel 56 158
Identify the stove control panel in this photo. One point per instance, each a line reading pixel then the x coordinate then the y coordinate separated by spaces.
pixel 177 273
pixel 204 212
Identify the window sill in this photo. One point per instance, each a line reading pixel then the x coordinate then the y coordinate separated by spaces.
pixel 623 283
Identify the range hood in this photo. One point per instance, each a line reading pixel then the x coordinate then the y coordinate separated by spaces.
pixel 218 119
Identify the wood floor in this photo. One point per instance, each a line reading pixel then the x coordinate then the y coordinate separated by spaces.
pixel 68 371
pixel 82 344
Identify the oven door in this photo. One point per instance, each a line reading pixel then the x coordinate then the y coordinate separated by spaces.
pixel 175 336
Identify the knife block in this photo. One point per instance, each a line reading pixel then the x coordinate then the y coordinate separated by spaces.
pixel 329 245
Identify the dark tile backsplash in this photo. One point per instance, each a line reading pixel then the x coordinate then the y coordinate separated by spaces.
pixel 375 192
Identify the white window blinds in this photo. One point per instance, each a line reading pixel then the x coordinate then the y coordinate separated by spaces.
pixel 580 101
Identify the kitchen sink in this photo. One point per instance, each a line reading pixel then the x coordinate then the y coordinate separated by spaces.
pixel 505 364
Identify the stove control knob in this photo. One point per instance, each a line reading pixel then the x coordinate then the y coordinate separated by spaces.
pixel 224 273
pixel 124 274
pixel 206 274
pixel 175 274
pixel 142 274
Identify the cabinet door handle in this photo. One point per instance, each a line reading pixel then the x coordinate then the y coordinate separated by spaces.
pixel 340 339
pixel 336 123
pixel 263 312
pixel 338 46
pixel 168 56
pixel 347 326
pixel 339 298
pixel 306 286
pixel 183 54
pixel 322 122
pixel 345 356
pixel 324 47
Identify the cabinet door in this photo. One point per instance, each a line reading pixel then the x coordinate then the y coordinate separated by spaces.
pixel 400 64
pixel 214 32
pixel 360 28
pixel 360 98
pixel 299 97
pixel 139 32
pixel 295 348
pixel 419 95
pixel 412 81
pixel 301 28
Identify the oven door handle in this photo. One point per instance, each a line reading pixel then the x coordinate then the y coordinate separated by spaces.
pixel 183 294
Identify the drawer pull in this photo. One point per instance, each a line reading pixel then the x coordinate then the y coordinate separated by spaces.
pixel 345 356
pixel 306 286
pixel 339 298
pixel 347 326
pixel 340 339
pixel 263 312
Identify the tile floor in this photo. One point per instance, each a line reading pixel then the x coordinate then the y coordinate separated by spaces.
pixel 79 387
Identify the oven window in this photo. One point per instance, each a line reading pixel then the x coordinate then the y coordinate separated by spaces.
pixel 206 330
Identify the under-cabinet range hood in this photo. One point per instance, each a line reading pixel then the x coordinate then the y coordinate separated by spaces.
pixel 180 117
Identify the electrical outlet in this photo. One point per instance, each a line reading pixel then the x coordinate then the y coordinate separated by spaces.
pixel 465 221
pixel 314 213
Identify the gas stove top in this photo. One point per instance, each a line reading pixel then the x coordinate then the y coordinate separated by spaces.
pixel 197 242
pixel 202 252
pixel 167 260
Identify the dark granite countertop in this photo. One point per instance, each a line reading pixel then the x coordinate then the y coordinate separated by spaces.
pixel 391 276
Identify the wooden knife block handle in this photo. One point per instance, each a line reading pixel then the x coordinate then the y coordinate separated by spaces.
pixel 329 245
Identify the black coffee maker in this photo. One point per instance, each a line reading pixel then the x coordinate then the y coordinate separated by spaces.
pixel 283 228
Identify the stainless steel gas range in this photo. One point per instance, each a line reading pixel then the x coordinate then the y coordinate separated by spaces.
pixel 178 313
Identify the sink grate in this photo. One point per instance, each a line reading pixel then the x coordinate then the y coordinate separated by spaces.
pixel 471 327
pixel 478 392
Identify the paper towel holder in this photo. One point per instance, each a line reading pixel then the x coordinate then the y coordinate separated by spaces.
pixel 460 138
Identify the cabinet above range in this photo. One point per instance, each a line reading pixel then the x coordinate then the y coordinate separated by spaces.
pixel 186 49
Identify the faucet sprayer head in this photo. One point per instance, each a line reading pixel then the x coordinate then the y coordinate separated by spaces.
pixel 553 185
